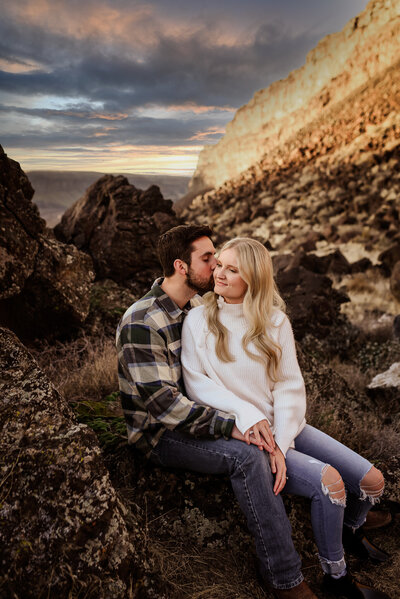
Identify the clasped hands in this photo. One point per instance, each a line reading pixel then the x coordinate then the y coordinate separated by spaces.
pixel 260 434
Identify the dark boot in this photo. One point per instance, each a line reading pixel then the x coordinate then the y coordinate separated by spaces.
pixel 355 542
pixel 377 519
pixel 348 588
pixel 301 591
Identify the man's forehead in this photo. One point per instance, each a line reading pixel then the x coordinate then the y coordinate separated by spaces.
pixel 203 245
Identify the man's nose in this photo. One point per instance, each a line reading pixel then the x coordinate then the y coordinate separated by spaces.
pixel 213 263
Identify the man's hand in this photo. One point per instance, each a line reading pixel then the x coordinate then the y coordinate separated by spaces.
pixel 255 439
pixel 278 467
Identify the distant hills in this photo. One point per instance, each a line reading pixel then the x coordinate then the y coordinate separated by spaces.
pixel 55 191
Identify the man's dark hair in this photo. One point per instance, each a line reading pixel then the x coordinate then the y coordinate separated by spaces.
pixel 177 244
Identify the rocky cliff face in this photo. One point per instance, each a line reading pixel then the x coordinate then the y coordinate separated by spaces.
pixel 336 68
pixel 44 284
pixel 333 183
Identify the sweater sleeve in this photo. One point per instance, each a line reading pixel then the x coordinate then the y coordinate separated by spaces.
pixel 289 391
pixel 204 390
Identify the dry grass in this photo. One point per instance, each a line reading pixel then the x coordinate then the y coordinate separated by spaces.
pixel 203 573
pixel 82 370
pixel 353 376
pixel 381 429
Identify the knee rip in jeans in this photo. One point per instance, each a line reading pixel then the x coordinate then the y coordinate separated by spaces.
pixel 333 485
pixel 372 485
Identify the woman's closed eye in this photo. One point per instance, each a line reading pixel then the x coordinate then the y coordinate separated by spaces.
pixel 233 270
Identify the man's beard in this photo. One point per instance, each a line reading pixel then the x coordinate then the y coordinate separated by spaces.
pixel 197 284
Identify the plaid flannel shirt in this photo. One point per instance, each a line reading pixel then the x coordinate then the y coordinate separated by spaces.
pixel 150 380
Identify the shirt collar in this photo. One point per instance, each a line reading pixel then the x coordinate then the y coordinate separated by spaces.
pixel 165 302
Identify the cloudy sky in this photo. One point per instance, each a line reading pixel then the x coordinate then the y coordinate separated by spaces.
pixel 141 86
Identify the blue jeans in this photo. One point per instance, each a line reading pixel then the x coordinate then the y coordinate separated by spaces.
pixel 305 465
pixel 252 483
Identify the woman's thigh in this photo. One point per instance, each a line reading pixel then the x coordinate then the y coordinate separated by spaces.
pixel 304 474
pixel 316 444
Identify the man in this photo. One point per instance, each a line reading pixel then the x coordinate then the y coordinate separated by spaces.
pixel 174 431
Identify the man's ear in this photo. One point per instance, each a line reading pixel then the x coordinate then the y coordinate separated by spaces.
pixel 181 267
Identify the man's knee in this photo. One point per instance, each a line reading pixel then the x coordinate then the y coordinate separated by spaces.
pixel 251 457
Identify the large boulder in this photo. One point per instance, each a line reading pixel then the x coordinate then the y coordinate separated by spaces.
pixel 385 387
pixel 20 229
pixel 313 304
pixel 118 225
pixel 44 284
pixel 108 302
pixel 63 530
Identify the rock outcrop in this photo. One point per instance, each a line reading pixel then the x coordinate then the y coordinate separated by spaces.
pixel 313 304
pixel 20 227
pixel 63 527
pixel 118 225
pixel 385 386
pixel 340 63
pixel 108 302
pixel 44 284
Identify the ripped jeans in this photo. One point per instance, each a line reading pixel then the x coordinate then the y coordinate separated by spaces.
pixel 306 465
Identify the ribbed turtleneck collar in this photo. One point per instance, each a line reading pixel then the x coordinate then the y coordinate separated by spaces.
pixel 233 310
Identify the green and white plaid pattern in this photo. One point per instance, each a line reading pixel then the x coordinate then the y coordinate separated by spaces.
pixel 150 380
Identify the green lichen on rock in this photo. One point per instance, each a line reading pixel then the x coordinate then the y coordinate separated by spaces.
pixel 63 529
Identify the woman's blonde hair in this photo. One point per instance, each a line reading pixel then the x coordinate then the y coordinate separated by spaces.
pixel 260 300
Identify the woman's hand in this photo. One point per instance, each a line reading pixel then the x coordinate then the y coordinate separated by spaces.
pixel 236 434
pixel 260 434
pixel 278 467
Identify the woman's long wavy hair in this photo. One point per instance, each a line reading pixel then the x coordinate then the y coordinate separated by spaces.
pixel 260 300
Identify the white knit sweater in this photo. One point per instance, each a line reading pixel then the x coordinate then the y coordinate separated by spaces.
pixel 242 387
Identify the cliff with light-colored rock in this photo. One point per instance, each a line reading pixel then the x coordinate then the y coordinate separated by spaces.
pixel 340 63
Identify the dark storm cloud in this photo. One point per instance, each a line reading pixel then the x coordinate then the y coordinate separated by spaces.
pixel 175 70
pixel 81 72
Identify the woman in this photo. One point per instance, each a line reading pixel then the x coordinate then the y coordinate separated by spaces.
pixel 240 343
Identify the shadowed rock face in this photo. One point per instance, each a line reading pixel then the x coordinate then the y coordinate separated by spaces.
pixel 62 523
pixel 20 227
pixel 44 284
pixel 119 225
pixel 313 305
